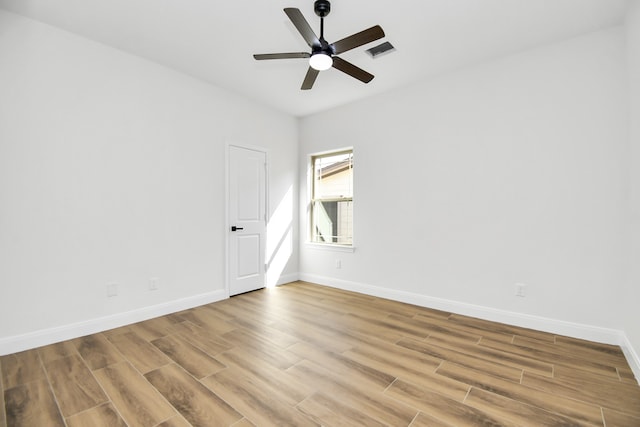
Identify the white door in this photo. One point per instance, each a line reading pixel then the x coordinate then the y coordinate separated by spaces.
pixel 247 228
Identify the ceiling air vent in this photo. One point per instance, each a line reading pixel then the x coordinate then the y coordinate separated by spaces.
pixel 381 49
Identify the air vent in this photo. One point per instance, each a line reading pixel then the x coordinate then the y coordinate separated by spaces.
pixel 381 49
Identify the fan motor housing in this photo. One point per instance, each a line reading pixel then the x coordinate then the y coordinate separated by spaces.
pixel 322 8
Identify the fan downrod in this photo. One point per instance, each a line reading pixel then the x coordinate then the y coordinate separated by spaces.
pixel 322 8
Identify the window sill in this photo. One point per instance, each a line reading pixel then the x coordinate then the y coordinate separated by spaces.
pixel 329 247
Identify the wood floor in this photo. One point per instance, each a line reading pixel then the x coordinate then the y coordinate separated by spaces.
pixel 306 355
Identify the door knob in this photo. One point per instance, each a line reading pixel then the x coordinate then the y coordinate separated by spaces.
pixel 234 228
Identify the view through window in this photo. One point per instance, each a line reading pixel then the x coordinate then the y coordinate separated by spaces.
pixel 332 198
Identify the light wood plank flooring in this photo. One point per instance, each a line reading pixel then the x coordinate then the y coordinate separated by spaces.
pixel 307 355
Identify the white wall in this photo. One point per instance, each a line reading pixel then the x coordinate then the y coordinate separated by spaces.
pixel 510 171
pixel 112 169
pixel 632 319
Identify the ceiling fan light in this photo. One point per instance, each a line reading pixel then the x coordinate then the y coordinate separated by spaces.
pixel 320 61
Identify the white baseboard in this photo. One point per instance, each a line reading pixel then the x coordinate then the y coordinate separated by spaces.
pixel 632 356
pixel 42 337
pixel 560 327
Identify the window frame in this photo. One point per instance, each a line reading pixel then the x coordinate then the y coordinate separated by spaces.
pixel 342 247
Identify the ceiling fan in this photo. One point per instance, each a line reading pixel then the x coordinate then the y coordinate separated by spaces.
pixel 324 55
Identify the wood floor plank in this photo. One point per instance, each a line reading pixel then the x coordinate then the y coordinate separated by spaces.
pixel 361 374
pixel 583 353
pixel 153 329
pixel 441 407
pixel 446 325
pixel 328 307
pixel 354 303
pixel 361 325
pixel 195 402
pixel 464 340
pixel 275 336
pixel 575 409
pixel 605 394
pixel 556 358
pixel 247 311
pixel 284 306
pixel 316 332
pixel 202 338
pixel 21 368
pixel 141 354
pixel 56 351
pixel 501 327
pixel 593 380
pixel 626 375
pixel 447 387
pixel 261 347
pixel 256 310
pixel 177 421
pixel 32 404
pixel 74 386
pixel 96 351
pixel 101 416
pixel 217 306
pixel 243 423
pixel 140 404
pixel 280 382
pixel 374 404
pixel 176 317
pixel 517 413
pixel 425 420
pixel 393 359
pixel 116 331
pixel 254 402
pixel 330 296
pixel 402 325
pixel 420 374
pixel 315 307
pixel 329 301
pixel 432 313
pixel 431 327
pixel 502 371
pixel 331 412
pixel 226 309
pixel 195 361
pixel 489 354
pixel 207 319
pixel 618 419
pixel 603 352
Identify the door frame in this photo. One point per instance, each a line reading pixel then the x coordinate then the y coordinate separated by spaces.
pixel 227 223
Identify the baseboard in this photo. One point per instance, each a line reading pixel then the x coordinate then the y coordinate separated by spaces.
pixel 632 356
pixel 560 327
pixel 42 337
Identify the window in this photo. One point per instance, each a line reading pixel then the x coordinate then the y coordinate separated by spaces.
pixel 332 198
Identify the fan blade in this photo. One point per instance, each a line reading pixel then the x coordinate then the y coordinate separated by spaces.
pixel 348 68
pixel 292 55
pixel 358 39
pixel 302 25
pixel 310 78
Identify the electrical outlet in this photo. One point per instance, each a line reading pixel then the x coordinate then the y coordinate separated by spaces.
pixel 153 284
pixel 338 264
pixel 521 290
pixel 112 289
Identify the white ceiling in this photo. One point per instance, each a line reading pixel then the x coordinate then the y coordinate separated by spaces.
pixel 214 40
